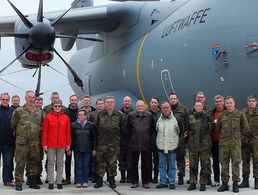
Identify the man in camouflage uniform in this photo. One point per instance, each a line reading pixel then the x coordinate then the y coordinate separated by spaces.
pixel 199 129
pixel 100 105
pixel 109 123
pixel 124 155
pixel 250 143
pixel 232 124
pixel 181 113
pixel 54 98
pixel 26 122
pixel 156 112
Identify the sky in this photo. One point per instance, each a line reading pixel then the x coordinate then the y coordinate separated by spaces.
pixel 51 80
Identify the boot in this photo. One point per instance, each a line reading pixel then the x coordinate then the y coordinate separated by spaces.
pixel 122 177
pixel 245 183
pixel 191 187
pixel 256 183
pixel 33 183
pixel 223 187
pixel 203 187
pixel 180 180
pixel 112 182
pixel 235 187
pixel 99 182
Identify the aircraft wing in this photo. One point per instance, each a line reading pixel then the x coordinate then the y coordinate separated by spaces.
pixel 87 20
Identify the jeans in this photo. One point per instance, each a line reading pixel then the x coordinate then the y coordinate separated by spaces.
pixel 82 166
pixel 170 159
pixel 6 152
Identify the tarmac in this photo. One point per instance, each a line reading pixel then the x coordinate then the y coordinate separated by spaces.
pixel 123 189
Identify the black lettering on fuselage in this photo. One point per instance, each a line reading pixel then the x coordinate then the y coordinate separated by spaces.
pixel 198 17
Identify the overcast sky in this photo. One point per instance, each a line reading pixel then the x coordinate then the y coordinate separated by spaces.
pixel 51 80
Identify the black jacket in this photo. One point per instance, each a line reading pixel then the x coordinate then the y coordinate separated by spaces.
pixel 83 137
pixel 72 113
pixel 6 132
pixel 140 131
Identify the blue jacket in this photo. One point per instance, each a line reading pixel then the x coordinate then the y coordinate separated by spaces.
pixel 6 132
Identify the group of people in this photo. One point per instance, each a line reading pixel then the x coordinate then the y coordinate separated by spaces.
pixel 99 138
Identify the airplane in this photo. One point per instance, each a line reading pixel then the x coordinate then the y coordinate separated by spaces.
pixel 152 48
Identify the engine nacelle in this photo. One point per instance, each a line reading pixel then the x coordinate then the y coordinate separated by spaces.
pixel 31 58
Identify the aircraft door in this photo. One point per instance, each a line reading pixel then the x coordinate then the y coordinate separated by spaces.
pixel 167 82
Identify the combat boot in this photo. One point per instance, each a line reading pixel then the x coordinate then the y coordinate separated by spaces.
pixel 256 183
pixel 112 182
pixel 191 187
pixel 33 183
pixel 123 179
pixel 99 182
pixel 203 187
pixel 235 187
pixel 223 187
pixel 245 183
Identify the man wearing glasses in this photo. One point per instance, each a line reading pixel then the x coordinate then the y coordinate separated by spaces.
pixel 6 138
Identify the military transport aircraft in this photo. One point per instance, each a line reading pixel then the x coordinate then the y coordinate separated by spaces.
pixel 145 49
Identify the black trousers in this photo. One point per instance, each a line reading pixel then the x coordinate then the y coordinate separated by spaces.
pixel 146 164
pixel 215 157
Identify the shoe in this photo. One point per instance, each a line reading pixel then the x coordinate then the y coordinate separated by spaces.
pixel 235 187
pixel 78 185
pixel 188 181
pixel 59 186
pixel 9 184
pixel 146 186
pixel 223 187
pixel 50 186
pixel 123 179
pixel 66 182
pixel 180 180
pixel 256 183
pixel 155 180
pixel 172 186
pixel 135 185
pixel 191 187
pixel 112 182
pixel 245 183
pixel 46 181
pixel 161 186
pixel 215 184
pixel 203 187
pixel 84 185
pixel 18 187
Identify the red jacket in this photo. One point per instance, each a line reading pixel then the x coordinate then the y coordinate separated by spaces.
pixel 56 131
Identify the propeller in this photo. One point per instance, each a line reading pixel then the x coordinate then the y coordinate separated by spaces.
pixel 41 37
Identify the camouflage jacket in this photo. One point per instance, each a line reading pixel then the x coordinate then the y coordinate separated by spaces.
pixel 109 127
pixel 199 131
pixel 124 132
pixel 252 118
pixel 181 113
pixel 231 127
pixel 27 125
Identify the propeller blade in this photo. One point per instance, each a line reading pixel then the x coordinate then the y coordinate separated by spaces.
pixel 55 21
pixel 76 37
pixel 37 92
pixel 40 11
pixel 22 17
pixel 17 35
pixel 77 79
pixel 55 70
pixel 24 51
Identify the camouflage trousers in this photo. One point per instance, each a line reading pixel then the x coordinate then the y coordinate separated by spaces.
pixel 124 159
pixel 204 158
pixel 25 155
pixel 248 151
pixel 107 160
pixel 180 158
pixel 227 153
